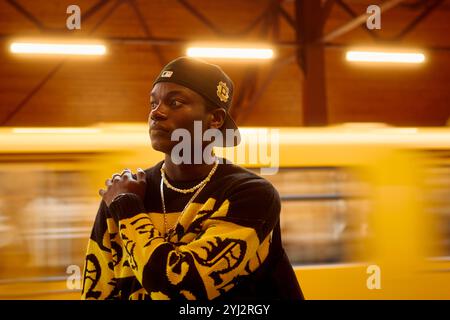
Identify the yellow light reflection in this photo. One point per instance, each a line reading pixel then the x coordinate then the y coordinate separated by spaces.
pixel 56 130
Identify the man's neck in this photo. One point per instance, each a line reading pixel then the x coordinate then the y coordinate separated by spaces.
pixel 186 172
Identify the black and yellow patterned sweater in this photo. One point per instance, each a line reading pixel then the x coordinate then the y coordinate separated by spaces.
pixel 219 245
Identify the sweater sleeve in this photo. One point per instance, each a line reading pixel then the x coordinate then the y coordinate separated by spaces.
pixel 98 276
pixel 213 261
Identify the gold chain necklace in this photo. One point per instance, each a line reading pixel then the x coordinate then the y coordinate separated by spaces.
pixel 184 191
pixel 201 185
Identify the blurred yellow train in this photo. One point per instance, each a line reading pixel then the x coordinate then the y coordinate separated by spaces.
pixel 365 207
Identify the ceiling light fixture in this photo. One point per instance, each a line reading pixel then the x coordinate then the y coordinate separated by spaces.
pixel 57 48
pixel 385 56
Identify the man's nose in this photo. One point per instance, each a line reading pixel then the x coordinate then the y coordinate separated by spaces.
pixel 159 113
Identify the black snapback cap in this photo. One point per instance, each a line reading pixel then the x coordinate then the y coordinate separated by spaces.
pixel 208 80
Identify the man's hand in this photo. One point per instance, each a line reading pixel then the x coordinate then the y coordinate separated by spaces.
pixel 124 183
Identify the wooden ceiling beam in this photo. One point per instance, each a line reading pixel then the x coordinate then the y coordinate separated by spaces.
pixel 415 22
pixel 356 22
pixel 30 17
pixel 311 59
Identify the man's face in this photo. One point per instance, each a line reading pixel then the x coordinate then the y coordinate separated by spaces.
pixel 173 106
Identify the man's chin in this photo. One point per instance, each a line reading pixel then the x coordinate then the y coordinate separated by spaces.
pixel 161 146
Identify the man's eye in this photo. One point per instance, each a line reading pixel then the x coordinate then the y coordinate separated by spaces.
pixel 176 103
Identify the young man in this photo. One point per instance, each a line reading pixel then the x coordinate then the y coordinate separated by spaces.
pixel 188 229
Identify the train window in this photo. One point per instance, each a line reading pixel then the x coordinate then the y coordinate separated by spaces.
pixel 324 215
pixel 45 222
pixel 437 186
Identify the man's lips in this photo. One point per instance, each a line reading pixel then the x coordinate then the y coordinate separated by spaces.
pixel 158 128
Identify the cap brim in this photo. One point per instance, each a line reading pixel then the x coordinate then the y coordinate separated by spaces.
pixel 230 124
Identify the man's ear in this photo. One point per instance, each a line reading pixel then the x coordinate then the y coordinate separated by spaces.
pixel 217 118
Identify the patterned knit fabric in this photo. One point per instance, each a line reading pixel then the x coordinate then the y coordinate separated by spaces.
pixel 222 238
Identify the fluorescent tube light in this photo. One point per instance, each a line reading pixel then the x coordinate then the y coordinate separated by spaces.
pixel 385 56
pixel 57 48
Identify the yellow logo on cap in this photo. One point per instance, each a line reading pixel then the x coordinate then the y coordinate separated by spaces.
pixel 223 91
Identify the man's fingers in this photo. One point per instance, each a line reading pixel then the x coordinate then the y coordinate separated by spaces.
pixel 108 182
pixel 125 171
pixel 116 178
pixel 101 192
pixel 127 175
pixel 141 175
